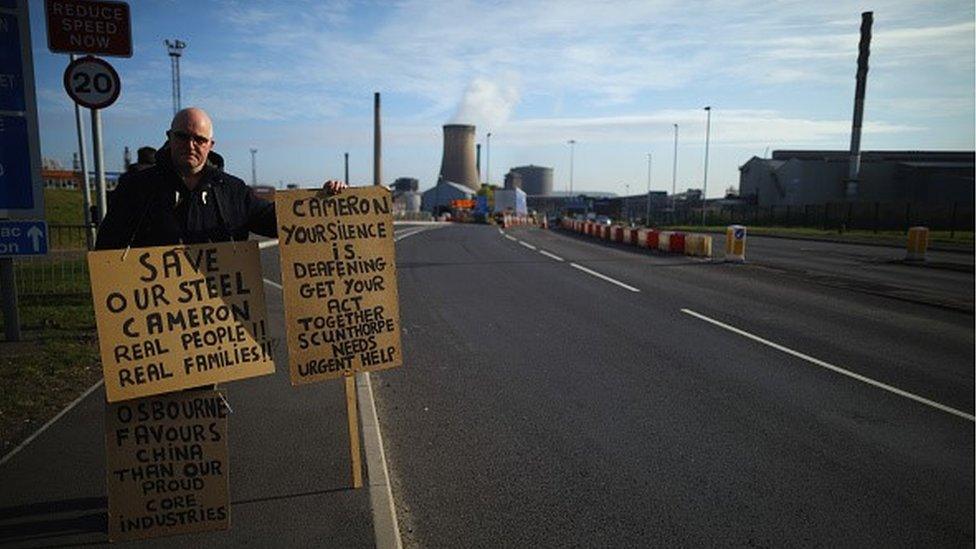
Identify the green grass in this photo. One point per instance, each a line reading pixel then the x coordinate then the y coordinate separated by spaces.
pixel 960 238
pixel 56 359
pixel 64 207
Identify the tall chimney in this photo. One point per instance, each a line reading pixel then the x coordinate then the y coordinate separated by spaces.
pixel 458 163
pixel 477 159
pixel 864 51
pixel 377 142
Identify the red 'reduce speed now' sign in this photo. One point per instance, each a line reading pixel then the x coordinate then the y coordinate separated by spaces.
pixel 99 27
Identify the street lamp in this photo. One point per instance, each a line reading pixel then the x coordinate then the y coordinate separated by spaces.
pixel 572 146
pixel 175 50
pixel 254 167
pixel 708 126
pixel 647 215
pixel 674 172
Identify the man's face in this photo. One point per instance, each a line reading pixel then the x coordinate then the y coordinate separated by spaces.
pixel 190 142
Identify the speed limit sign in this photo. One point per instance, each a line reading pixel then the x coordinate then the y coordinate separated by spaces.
pixel 92 82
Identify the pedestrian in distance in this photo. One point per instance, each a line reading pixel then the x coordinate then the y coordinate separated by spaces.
pixel 186 197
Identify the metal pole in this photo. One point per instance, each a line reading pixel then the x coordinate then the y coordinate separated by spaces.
pixel 99 158
pixel 864 51
pixel 488 159
pixel 85 181
pixel 674 172
pixel 708 126
pixel 647 217
pixel 254 167
pixel 346 180
pixel 377 141
pixel 572 146
pixel 8 288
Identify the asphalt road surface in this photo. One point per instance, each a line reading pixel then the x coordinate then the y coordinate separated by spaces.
pixel 559 391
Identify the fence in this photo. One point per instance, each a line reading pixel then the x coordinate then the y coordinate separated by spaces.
pixel 871 216
pixel 63 271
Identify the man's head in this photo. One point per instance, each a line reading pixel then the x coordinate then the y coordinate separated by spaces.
pixel 190 140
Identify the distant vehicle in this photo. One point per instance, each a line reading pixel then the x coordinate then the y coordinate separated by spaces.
pixel 603 220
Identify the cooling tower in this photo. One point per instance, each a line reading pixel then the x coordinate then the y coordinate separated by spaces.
pixel 458 164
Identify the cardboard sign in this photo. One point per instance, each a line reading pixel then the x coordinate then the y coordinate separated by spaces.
pixel 177 317
pixel 167 469
pixel 338 274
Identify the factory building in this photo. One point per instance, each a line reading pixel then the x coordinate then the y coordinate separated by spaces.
pixel 799 178
pixel 439 198
pixel 536 180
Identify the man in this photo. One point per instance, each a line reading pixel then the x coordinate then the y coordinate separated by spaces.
pixel 186 197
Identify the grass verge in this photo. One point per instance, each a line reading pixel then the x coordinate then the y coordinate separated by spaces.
pixel 55 361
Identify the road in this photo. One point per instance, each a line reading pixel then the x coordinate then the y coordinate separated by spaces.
pixel 561 391
pixel 678 403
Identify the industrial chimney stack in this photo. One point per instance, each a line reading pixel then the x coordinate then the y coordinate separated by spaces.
pixel 458 162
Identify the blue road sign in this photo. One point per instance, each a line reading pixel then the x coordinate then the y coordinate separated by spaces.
pixel 11 65
pixel 16 184
pixel 23 238
pixel 739 233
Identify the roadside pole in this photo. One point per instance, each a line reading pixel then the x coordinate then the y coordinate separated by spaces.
pixel 98 156
pixel 85 181
pixel 8 287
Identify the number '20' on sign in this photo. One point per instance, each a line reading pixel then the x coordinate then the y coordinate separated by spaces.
pixel 91 82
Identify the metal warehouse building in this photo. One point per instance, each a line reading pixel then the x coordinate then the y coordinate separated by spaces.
pixel 799 178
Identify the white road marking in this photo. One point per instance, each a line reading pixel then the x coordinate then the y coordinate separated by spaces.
pixel 385 526
pixel 44 427
pixel 553 256
pixel 90 390
pixel 527 245
pixel 604 277
pixel 833 368
pixel 501 231
pixel 512 238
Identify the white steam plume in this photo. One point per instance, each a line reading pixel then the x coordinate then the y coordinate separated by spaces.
pixel 486 103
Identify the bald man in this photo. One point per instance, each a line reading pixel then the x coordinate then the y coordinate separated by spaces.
pixel 186 197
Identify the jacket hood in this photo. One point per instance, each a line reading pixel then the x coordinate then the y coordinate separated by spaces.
pixel 163 158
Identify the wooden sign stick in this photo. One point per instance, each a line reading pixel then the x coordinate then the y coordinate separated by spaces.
pixel 351 411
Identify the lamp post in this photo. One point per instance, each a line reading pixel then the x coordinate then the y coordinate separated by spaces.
pixel 254 167
pixel 175 49
pixel 572 146
pixel 708 126
pixel 674 172
pixel 647 215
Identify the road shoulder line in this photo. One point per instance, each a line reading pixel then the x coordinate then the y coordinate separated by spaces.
pixel 385 526
pixel 51 422
pixel 831 367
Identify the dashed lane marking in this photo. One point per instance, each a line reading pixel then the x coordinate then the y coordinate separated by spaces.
pixel 604 277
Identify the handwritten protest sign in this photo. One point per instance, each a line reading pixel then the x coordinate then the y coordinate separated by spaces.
pixel 167 465
pixel 177 317
pixel 338 274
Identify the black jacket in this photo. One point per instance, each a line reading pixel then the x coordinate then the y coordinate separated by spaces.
pixel 153 207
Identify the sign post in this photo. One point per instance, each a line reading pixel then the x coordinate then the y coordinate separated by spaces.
pixel 91 82
pixel 338 274
pixel 92 27
pixel 21 191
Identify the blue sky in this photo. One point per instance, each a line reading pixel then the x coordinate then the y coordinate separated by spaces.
pixel 295 80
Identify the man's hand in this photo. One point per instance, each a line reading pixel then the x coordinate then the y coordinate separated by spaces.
pixel 333 187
